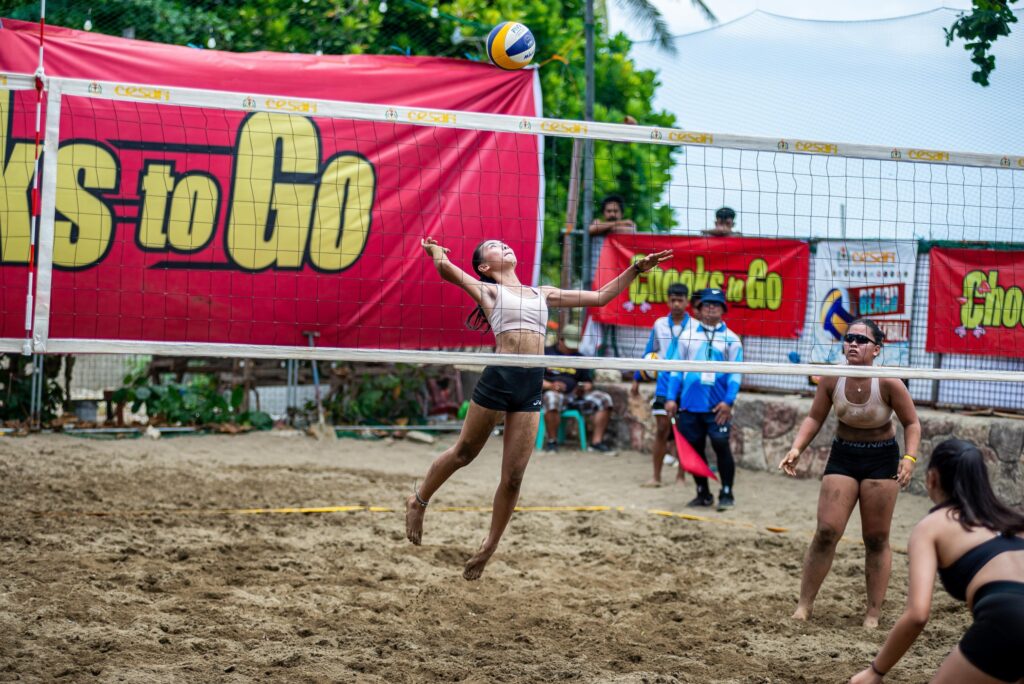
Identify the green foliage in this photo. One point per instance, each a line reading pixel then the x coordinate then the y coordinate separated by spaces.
pixel 988 21
pixel 16 387
pixel 197 402
pixel 366 397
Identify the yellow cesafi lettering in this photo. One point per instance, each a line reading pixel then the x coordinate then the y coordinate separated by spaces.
pixel 760 289
pixel 691 137
pixel 417 116
pixel 1001 307
pixel 290 106
pixel 143 93
pixel 815 147
pixel 562 127
pixel 928 155
pixel 16 161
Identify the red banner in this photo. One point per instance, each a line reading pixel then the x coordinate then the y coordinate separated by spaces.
pixel 203 225
pixel 976 302
pixel 765 281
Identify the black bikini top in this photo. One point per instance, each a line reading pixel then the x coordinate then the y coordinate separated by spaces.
pixel 959 574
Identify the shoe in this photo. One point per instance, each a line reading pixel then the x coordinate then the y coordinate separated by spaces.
pixel 551 445
pixel 603 448
pixel 725 501
pixel 702 501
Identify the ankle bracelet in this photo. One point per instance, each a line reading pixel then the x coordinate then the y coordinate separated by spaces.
pixel 420 501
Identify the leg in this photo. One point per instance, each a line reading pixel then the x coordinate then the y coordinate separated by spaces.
pixel 694 430
pixel 662 427
pixel 956 669
pixel 553 402
pixel 877 501
pixel 723 452
pixel 835 504
pixel 475 431
pixel 520 432
pixel 598 425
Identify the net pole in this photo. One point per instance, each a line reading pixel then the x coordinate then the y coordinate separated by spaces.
pixel 571 212
pixel 34 206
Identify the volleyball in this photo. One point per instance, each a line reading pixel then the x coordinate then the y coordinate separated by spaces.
pixel 510 45
pixel 647 375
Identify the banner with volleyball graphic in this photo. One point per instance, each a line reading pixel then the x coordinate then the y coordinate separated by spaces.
pixel 264 221
pixel 977 302
pixel 863 279
pixel 764 280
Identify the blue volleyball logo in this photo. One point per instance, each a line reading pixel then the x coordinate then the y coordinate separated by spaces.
pixel 510 45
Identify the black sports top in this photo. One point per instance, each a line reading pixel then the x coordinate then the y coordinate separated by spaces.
pixel 959 574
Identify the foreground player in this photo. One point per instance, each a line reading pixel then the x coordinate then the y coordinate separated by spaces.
pixel 518 315
pixel 864 466
pixel 975 543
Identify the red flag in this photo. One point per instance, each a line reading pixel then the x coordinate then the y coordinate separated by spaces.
pixel 690 460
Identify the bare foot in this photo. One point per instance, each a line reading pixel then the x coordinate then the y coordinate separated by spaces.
pixel 414 520
pixel 652 484
pixel 870 622
pixel 475 565
pixel 802 613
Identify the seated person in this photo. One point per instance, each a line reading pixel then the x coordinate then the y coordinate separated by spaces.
pixel 573 388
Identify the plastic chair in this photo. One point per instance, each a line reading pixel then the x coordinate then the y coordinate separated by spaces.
pixel 581 428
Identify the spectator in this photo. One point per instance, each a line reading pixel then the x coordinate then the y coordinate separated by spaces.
pixel 702 401
pixel 612 220
pixel 725 219
pixel 664 341
pixel 573 388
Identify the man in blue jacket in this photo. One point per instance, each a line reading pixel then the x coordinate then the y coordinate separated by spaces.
pixel 702 401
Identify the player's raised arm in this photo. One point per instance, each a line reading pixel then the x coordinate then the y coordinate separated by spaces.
pixel 611 289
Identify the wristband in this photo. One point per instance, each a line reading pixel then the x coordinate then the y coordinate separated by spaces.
pixel 636 267
pixel 910 457
pixel 875 669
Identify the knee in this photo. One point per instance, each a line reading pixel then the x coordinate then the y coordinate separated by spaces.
pixel 513 482
pixel 877 542
pixel 464 454
pixel 825 537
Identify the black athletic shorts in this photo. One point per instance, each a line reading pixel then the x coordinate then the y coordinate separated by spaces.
pixel 510 389
pixel 995 642
pixel 864 460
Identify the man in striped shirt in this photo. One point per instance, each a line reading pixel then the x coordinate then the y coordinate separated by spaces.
pixel 702 401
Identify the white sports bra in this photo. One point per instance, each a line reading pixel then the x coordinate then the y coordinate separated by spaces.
pixel 512 312
pixel 873 413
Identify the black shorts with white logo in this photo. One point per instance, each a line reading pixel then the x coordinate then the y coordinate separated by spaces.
pixel 510 389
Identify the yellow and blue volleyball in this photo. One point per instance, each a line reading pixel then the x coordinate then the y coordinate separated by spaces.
pixel 510 45
pixel 649 375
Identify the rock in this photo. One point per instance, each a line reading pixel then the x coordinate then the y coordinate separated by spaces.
pixel 420 437
pixel 1007 438
pixel 779 419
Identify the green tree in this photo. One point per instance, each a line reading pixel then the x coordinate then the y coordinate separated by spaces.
pixel 988 21
pixel 457 28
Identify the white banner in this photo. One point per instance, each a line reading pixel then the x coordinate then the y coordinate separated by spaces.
pixel 863 279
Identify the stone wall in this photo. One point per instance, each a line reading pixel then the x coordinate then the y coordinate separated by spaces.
pixel 764 426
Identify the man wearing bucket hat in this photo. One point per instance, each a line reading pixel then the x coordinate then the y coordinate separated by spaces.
pixel 702 401
pixel 573 388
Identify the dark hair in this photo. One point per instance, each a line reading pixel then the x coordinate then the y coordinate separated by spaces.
pixel 678 290
pixel 477 319
pixel 724 214
pixel 613 198
pixel 963 476
pixel 876 332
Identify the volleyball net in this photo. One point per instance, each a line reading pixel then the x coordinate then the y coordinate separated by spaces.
pixel 189 222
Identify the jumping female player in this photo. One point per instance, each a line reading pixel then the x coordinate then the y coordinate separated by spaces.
pixel 518 315
pixel 864 465
pixel 977 545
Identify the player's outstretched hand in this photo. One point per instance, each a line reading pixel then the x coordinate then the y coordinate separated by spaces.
pixel 652 260
pixel 432 248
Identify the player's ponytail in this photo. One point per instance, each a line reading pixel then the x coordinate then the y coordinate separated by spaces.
pixel 963 476
pixel 477 319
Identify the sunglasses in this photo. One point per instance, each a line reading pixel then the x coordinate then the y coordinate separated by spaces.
pixel 850 338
